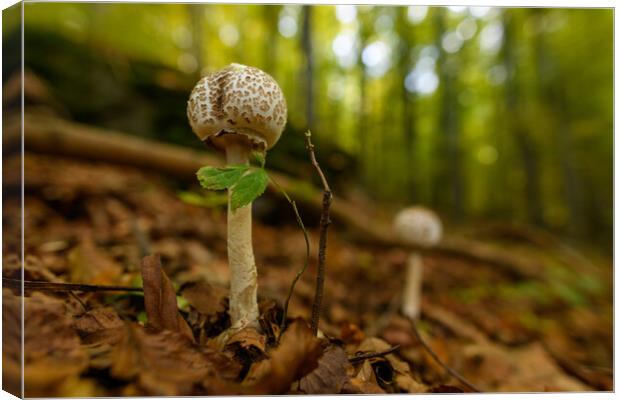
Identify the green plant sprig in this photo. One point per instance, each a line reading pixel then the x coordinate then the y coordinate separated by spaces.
pixel 246 183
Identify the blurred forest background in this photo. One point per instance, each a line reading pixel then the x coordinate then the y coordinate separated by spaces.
pixel 483 114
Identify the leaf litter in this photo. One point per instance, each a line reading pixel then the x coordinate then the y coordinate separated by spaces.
pixel 89 228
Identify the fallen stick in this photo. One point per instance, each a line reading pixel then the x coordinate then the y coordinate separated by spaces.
pixel 438 360
pixel 64 287
pixel 317 305
pixel 53 135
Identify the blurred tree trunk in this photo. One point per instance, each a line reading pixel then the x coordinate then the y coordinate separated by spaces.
pixel 270 18
pixel 403 61
pixel 449 144
pixel 196 17
pixel 517 126
pixel 553 98
pixel 362 129
pixel 306 44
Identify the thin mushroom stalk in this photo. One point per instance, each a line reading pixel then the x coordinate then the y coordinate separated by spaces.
pixel 412 294
pixel 237 110
pixel 420 226
pixel 243 283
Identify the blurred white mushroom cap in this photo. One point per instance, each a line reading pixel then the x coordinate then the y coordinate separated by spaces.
pixel 418 225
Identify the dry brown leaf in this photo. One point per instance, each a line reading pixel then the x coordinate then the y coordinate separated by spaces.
pixel 270 319
pixel 207 299
pixel 52 351
pixel 160 300
pixel 96 321
pixel 100 330
pixel 401 373
pixel 247 338
pixel 165 363
pixel 511 370
pixel 88 264
pixel 296 355
pixel 34 270
pixel 364 381
pixel 351 333
pixel 331 374
pixel 208 315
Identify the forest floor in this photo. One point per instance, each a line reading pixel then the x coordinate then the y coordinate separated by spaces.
pixel 92 223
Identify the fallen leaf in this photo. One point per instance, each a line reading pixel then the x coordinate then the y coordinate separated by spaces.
pixel 351 333
pixel 96 321
pixel 269 320
pixel 165 363
pixel 297 354
pixel 397 376
pixel 52 351
pixel 89 264
pixel 100 330
pixel 510 370
pixel 331 374
pixel 364 381
pixel 207 299
pixel 160 299
pixel 247 338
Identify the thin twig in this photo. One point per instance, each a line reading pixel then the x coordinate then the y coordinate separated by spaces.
pixel 65 287
pixel 323 225
pixel 77 298
pixel 366 356
pixel 430 351
pixel 307 260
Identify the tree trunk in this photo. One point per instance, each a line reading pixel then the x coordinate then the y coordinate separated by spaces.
pixel 551 88
pixel 525 146
pixel 408 110
pixel 270 18
pixel 196 17
pixel 449 143
pixel 306 42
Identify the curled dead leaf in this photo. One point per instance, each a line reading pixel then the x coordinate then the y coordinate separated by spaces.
pixel 160 300
pixel 391 373
pixel 296 355
pixel 331 374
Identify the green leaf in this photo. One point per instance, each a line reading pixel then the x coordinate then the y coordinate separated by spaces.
pixel 249 187
pixel 220 178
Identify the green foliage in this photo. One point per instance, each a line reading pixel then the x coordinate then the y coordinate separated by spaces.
pixel 506 133
pixel 246 183
pixel 249 187
pixel 213 178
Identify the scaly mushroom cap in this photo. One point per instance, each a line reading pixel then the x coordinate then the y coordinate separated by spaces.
pixel 418 225
pixel 238 100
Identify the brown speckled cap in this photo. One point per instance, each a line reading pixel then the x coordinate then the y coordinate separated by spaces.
pixel 238 100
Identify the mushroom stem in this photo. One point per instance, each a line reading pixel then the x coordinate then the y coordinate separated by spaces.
pixel 243 282
pixel 412 295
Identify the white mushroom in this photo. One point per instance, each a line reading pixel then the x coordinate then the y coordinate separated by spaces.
pixel 416 225
pixel 239 109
